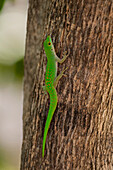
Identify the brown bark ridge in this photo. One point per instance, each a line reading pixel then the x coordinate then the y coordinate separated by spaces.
pixel 80 134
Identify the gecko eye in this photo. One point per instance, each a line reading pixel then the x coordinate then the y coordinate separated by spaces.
pixel 49 43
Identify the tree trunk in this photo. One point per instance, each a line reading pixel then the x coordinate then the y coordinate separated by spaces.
pixel 80 134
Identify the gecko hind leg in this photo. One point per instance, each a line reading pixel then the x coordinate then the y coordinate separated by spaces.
pixel 59 77
pixel 44 89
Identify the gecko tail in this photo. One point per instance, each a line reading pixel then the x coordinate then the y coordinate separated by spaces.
pixel 52 107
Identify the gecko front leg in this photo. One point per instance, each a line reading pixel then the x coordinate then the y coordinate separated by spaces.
pixel 61 60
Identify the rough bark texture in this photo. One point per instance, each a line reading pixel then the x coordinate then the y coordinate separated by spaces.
pixel 80 135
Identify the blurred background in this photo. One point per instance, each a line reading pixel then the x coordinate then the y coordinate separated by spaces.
pixel 13 17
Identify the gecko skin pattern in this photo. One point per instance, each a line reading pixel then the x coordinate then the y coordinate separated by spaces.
pixel 51 81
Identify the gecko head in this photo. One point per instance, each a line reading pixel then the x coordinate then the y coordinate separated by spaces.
pixel 48 46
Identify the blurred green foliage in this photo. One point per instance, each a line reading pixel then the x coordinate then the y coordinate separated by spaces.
pixel 2 4
pixel 12 72
pixel 8 73
pixel 5 164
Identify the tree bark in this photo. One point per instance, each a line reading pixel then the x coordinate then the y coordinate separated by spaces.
pixel 80 134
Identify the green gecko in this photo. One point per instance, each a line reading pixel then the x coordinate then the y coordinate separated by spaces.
pixel 51 81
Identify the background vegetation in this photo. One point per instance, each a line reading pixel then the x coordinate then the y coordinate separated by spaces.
pixel 12 44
